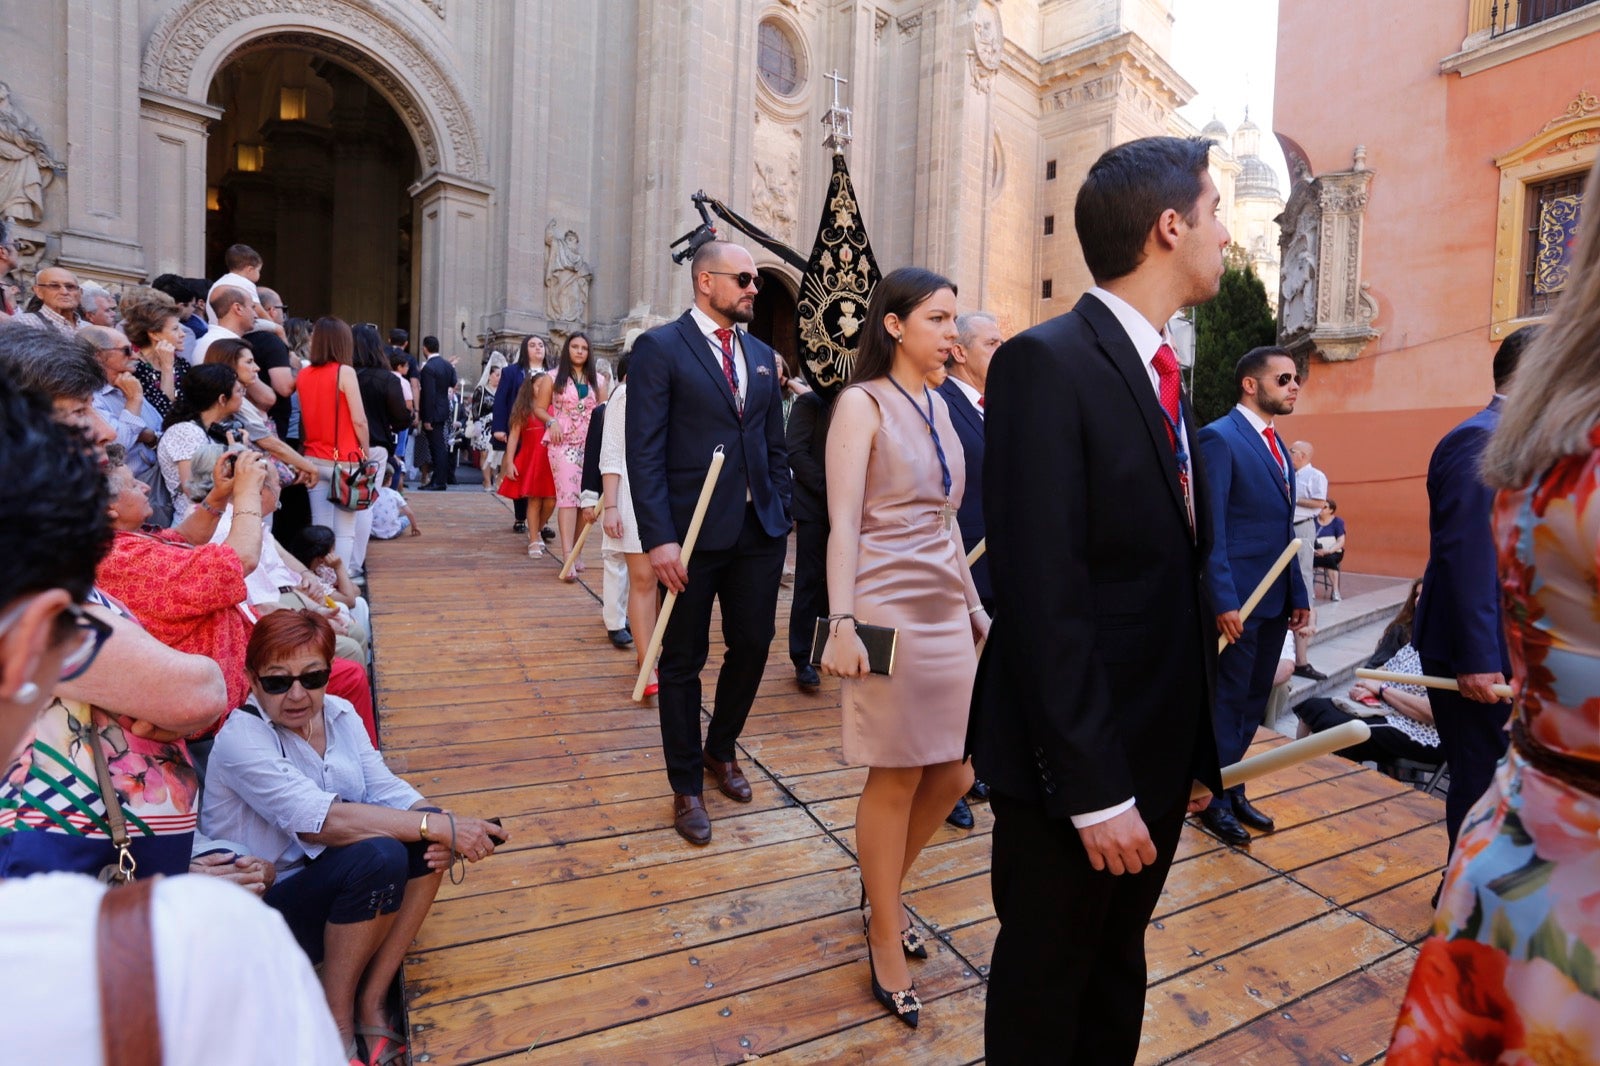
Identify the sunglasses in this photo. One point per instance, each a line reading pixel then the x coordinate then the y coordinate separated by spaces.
pixel 1284 379
pixel 744 278
pixel 278 684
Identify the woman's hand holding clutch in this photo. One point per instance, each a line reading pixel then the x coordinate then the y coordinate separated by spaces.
pixel 844 655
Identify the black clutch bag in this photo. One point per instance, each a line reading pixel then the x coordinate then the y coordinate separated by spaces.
pixel 878 640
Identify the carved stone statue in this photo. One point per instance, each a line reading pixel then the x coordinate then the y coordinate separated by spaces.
pixel 566 276
pixel 26 164
pixel 774 198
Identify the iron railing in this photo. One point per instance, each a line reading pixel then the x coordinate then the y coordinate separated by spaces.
pixel 1508 15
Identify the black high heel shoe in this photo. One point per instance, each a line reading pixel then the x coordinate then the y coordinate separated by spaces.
pixel 911 941
pixel 903 1004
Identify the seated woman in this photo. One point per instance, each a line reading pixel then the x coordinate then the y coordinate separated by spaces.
pixel 1329 551
pixel 358 853
pixel 1399 715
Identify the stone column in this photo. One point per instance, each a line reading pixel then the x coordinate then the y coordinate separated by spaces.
pixel 172 181
pixel 101 84
pixel 449 238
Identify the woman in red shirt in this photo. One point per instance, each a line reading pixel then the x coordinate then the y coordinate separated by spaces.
pixel 333 422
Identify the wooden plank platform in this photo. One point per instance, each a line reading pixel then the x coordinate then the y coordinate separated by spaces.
pixel 597 935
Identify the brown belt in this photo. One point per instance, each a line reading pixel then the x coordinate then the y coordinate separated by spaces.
pixel 1581 774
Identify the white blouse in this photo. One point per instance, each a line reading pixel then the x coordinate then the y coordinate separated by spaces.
pixel 614 460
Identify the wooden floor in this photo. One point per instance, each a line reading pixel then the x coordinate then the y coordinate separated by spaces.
pixel 597 935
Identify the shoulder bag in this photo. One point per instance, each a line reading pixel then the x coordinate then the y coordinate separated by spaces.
pixel 354 486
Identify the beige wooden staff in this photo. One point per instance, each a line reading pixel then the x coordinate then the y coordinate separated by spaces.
pixel 577 549
pixel 977 551
pixel 1426 681
pixel 1287 755
pixel 654 648
pixel 1261 588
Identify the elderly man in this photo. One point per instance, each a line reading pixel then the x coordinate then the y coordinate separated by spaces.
pixel 1310 497
pixel 96 305
pixel 236 316
pixel 58 291
pixel 121 402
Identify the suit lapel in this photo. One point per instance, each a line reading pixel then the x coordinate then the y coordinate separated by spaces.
pixel 1119 349
pixel 700 350
pixel 961 408
pixel 1242 425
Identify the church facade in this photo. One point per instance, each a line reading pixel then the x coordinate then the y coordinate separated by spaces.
pixel 481 169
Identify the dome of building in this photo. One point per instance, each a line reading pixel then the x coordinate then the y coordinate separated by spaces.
pixel 1256 179
pixel 1215 131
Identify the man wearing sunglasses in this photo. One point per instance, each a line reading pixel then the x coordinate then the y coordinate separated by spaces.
pixel 694 386
pixel 1252 520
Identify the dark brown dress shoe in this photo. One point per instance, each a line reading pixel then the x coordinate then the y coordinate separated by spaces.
pixel 690 819
pixel 730 779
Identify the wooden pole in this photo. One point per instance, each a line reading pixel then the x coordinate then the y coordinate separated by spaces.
pixel 654 649
pixel 577 549
pixel 1426 681
pixel 977 551
pixel 1261 588
pixel 1287 755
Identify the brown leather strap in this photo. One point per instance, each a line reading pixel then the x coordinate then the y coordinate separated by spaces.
pixel 122 871
pixel 130 1026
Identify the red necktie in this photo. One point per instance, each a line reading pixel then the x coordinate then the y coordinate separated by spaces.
pixel 1272 442
pixel 1166 365
pixel 980 402
pixel 725 338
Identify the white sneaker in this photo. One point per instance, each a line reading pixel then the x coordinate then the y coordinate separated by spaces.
pixel 1337 597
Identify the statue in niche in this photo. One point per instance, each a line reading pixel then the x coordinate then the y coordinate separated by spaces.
pixel 1301 222
pixel 26 165
pixel 566 276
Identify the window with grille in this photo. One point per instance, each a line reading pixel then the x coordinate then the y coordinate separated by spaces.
pixel 1045 289
pixel 1049 225
pixel 1050 170
pixel 777 59
pixel 1554 210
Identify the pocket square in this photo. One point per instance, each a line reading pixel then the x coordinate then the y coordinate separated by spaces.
pixel 764 371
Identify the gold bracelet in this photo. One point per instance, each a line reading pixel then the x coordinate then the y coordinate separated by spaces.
pixel 423 831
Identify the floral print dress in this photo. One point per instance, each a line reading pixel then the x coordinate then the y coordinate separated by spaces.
pixel 1509 973
pixel 571 408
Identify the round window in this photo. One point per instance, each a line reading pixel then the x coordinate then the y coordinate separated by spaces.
pixel 777 58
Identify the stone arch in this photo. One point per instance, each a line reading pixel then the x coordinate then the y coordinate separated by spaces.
pixel 405 61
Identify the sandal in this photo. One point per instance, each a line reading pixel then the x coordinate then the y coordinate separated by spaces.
pixel 536 550
pixel 384 1046
pixel 352 1053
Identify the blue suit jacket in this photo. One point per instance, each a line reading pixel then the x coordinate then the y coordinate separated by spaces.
pixel 969 427
pixel 1458 614
pixel 1252 520
pixel 680 410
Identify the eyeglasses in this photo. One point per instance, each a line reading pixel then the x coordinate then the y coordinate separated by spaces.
pixel 64 286
pixel 89 633
pixel 126 349
pixel 1284 379
pixel 744 278
pixel 278 684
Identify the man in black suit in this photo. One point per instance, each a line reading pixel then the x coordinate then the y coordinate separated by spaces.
pixel 438 377
pixel 695 385
pixel 807 440
pixel 1091 713
pixel 1458 630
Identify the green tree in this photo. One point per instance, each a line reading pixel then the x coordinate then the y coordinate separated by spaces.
pixel 1238 319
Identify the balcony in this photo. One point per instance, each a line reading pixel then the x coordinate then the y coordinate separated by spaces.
pixel 1499 31
pixel 1503 16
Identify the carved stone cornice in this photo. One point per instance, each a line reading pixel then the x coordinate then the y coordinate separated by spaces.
pixel 1323 306
pixel 414 75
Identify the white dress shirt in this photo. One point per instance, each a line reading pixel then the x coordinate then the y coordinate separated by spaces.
pixel 1261 426
pixel 973 395
pixel 1309 484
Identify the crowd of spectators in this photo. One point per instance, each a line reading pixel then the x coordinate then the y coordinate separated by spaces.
pixel 203 676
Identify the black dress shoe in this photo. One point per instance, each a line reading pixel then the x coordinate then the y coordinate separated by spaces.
pixel 1249 815
pixel 690 819
pixel 622 638
pixel 1308 671
pixel 979 792
pixel 547 533
pixel 519 527
pixel 805 675
pixel 1223 825
pixel 961 816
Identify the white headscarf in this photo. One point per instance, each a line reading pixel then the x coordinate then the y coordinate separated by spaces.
pixel 495 360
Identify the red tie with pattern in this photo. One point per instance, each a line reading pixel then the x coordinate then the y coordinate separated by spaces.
pixel 980 401
pixel 1166 366
pixel 1272 442
pixel 725 338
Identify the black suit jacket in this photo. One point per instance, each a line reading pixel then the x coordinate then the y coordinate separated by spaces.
pixel 680 410
pixel 1095 684
pixel 437 378
pixel 969 427
pixel 807 440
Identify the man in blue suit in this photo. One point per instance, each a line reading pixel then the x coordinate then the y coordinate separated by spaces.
pixel 695 385
pixel 1252 521
pixel 1458 631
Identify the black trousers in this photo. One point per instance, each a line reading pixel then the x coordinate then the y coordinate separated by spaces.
pixel 1473 739
pixel 443 459
pixel 1067 979
pixel 744 582
pixel 1384 746
pixel 1244 683
pixel 810 587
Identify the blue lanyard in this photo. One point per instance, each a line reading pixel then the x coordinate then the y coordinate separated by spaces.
pixel 938 446
pixel 1178 444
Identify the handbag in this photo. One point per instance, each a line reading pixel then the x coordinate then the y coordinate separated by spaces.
pixel 354 486
pixel 130 1025
pixel 880 642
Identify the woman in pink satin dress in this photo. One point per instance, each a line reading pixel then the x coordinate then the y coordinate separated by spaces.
pixel 895 479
